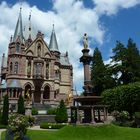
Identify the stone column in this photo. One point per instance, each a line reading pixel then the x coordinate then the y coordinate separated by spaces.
pixel 99 117
pixel 32 97
pixel 78 116
pixel 92 116
pixel 32 68
pixel 41 97
pixel 16 93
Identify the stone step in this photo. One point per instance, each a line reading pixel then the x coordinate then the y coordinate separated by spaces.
pixel 44 118
pixel 41 106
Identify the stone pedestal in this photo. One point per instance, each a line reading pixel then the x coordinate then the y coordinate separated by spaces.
pixel 28 110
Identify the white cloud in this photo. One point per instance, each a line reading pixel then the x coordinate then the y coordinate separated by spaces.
pixel 110 7
pixel 71 18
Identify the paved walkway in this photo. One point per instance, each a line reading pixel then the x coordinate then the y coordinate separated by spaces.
pixel 38 128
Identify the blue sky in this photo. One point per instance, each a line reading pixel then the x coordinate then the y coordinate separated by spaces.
pixel 105 21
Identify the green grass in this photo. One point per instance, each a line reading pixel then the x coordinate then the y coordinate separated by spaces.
pixel 106 132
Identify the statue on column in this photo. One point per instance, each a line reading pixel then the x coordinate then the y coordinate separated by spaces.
pixel 85 41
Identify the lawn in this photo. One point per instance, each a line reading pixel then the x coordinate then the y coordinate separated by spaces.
pixel 106 132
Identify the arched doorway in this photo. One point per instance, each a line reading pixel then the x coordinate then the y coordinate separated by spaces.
pixel 46 93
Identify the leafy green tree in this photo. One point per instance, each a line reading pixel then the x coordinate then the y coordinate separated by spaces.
pixel 123 98
pixel 21 108
pixel 61 113
pixel 5 112
pixel 100 76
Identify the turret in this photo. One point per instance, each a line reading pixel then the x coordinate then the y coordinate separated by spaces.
pixel 53 46
pixel 18 35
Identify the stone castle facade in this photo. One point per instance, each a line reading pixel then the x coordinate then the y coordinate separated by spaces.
pixel 35 68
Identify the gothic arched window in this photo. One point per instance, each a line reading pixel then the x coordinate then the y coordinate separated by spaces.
pixel 11 67
pixel 16 68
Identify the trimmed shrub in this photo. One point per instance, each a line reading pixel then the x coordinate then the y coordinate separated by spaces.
pixel 21 108
pixel 51 111
pixel 45 125
pixel 5 112
pixel 34 111
pixel 61 113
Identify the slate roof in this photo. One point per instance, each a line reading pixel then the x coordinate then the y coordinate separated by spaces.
pixel 64 60
pixel 53 46
pixel 19 29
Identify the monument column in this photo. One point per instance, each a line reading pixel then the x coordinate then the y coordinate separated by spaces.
pixel 86 59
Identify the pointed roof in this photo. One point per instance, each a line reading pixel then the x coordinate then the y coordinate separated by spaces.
pixel 19 30
pixel 53 46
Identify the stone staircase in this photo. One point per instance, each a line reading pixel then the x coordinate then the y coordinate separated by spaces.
pixel 44 118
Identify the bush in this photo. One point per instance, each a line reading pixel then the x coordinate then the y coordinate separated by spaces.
pixel 5 112
pixel 51 111
pixel 31 120
pixel 137 119
pixel 45 125
pixel 2 126
pixel 122 116
pixel 21 108
pixel 34 111
pixel 61 113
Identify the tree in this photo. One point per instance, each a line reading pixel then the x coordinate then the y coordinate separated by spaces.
pixel 5 111
pixel 61 113
pixel 126 63
pixel 123 98
pixel 100 77
pixel 21 108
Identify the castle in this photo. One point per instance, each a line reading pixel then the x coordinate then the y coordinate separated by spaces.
pixel 34 67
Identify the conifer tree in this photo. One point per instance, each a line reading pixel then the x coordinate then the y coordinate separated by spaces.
pixel 5 112
pixel 126 62
pixel 98 73
pixel 21 108
pixel 61 113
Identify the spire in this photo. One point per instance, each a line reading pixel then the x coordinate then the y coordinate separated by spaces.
pixel 19 31
pixel 30 28
pixel 53 41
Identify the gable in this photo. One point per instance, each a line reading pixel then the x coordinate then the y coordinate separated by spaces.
pixel 39 48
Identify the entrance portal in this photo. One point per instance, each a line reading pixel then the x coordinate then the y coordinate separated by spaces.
pixel 37 94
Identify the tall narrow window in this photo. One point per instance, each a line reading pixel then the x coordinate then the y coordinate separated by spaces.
pixel 47 71
pixel 29 68
pixel 16 68
pixel 17 48
pixel 11 67
pixel 39 50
